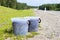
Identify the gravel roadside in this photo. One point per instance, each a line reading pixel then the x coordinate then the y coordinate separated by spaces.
pixel 50 26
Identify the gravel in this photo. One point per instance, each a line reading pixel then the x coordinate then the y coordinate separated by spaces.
pixel 50 25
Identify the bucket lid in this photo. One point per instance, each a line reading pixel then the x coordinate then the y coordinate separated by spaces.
pixel 32 17
pixel 18 19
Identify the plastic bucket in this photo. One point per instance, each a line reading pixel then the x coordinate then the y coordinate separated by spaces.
pixel 33 24
pixel 20 26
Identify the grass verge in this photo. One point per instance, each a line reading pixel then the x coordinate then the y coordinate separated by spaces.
pixel 5 22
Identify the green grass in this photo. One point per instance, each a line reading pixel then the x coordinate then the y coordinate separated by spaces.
pixel 5 20
pixel 32 34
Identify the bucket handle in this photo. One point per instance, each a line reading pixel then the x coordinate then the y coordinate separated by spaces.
pixel 39 20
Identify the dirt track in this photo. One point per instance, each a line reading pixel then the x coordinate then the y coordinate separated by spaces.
pixel 50 25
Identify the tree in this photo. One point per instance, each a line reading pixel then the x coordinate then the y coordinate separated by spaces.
pixel 58 5
pixel 3 2
pixel 0 2
pixel 21 6
pixel 11 3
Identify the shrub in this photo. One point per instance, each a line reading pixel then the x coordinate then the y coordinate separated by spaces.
pixel 57 9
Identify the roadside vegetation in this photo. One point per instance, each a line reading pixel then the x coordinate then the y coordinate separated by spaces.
pixel 6 25
pixel 10 9
pixel 55 7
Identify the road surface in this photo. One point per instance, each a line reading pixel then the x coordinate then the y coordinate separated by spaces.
pixel 50 25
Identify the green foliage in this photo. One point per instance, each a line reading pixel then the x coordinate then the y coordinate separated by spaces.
pixel 32 34
pixel 57 9
pixel 58 5
pixel 13 4
pixel 3 2
pixel 8 3
pixel 32 6
pixel 41 7
pixel 5 20
pixel 21 6
pixel 50 6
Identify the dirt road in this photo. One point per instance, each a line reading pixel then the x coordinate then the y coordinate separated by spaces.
pixel 50 25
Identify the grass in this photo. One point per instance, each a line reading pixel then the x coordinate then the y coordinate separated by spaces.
pixel 32 34
pixel 5 21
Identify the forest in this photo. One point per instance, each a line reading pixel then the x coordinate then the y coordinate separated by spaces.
pixel 55 7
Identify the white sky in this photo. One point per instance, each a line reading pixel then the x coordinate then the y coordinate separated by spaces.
pixel 38 2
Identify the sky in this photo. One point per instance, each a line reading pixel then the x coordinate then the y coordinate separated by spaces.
pixel 38 2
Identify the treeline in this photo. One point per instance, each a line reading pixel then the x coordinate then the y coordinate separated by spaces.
pixel 50 7
pixel 21 6
pixel 33 6
pixel 8 3
pixel 14 4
